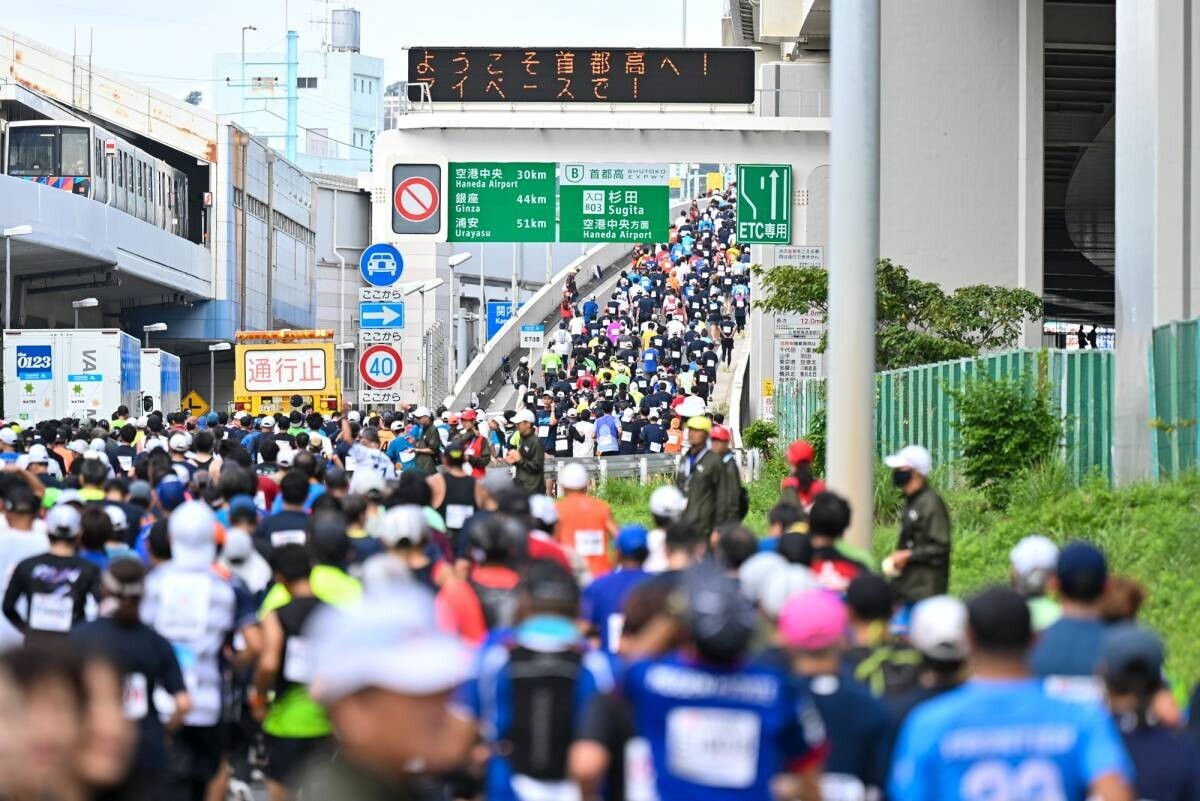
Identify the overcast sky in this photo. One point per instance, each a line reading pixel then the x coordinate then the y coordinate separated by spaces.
pixel 169 45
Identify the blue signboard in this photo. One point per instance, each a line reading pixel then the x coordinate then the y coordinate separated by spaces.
pixel 381 315
pixel 498 313
pixel 381 264
pixel 34 363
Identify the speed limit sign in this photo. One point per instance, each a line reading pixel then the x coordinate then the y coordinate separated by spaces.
pixel 380 367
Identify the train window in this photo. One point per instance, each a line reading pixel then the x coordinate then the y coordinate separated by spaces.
pixel 31 151
pixel 75 150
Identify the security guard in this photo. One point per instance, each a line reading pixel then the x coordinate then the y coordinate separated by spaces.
pixel 699 476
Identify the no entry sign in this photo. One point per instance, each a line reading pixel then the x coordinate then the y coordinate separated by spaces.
pixel 416 199
pixel 380 367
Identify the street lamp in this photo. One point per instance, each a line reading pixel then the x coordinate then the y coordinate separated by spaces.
pixel 8 234
pixel 152 328
pixel 242 105
pixel 83 303
pixel 454 261
pixel 213 349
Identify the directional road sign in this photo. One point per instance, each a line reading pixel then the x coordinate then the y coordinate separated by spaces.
pixel 381 315
pixel 381 264
pixel 502 201
pixel 195 405
pixel 764 210
pixel 380 367
pixel 416 198
pixel 531 336
pixel 614 203
pixel 498 313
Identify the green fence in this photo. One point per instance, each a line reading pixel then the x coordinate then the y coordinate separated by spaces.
pixel 1174 446
pixel 913 405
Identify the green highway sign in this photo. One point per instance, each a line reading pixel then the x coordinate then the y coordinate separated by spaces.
pixel 614 202
pixel 764 204
pixel 493 201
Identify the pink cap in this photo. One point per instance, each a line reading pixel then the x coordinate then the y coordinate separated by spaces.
pixel 813 620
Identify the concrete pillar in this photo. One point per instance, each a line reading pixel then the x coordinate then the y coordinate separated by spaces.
pixel 1154 217
pixel 1031 84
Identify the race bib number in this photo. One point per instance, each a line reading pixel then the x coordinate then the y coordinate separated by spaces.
pixel 713 747
pixel 457 514
pixel 51 612
pixel 626 436
pixel 561 444
pixel 676 354
pixel 135 698
pixel 126 463
pixel 1078 689
pixel 606 442
pixel 703 378
pixel 288 537
pixel 543 431
pixel 297 666
pixel 589 542
pixel 842 787
pixel 183 609
pixel 710 363
pixel 655 447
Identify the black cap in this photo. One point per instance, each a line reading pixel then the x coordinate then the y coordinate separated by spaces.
pixel 870 597
pixel 720 618
pixel 1082 571
pixel 1128 648
pixel 1000 621
pixel 328 538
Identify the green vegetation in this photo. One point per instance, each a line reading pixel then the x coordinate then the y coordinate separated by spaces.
pixel 915 321
pixel 1147 530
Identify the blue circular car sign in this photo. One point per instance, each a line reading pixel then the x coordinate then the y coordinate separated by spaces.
pixel 381 264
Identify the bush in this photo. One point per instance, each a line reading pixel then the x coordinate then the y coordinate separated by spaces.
pixel 816 437
pixel 760 434
pixel 1004 427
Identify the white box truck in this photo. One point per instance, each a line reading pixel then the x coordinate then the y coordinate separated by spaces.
pixel 160 381
pixel 52 374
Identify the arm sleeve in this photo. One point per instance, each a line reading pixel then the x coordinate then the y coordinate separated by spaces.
pixel 14 591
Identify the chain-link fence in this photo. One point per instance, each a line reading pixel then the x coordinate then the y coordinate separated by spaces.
pixel 436 380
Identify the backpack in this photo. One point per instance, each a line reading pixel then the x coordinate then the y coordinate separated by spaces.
pixel 543 710
pixel 499 605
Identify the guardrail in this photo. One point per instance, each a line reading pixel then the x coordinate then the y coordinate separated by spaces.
pixel 644 466
pixel 537 309
pixel 736 390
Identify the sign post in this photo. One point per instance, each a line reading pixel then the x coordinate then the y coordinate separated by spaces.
pixel 614 202
pixel 764 212
pixel 502 201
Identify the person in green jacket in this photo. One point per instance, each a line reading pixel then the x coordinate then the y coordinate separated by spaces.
pixel 729 505
pixel 920 565
pixel 528 456
pixel 429 446
pixel 699 477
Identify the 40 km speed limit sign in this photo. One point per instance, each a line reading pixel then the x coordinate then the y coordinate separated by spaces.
pixel 380 367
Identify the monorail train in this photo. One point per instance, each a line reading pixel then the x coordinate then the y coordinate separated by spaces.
pixel 73 156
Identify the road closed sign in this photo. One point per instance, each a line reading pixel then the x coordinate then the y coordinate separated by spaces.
pixel 417 198
pixel 380 367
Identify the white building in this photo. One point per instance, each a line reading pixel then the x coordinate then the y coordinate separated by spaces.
pixel 338 95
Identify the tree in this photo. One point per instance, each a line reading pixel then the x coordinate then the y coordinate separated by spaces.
pixel 194 97
pixel 915 321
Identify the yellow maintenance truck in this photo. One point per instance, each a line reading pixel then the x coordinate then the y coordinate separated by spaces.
pixel 278 371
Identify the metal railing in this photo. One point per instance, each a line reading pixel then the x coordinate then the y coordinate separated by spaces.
pixel 644 467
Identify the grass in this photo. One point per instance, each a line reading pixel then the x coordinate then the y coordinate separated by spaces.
pixel 1150 532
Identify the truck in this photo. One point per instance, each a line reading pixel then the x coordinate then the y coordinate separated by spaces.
pixel 160 381
pixel 54 374
pixel 278 371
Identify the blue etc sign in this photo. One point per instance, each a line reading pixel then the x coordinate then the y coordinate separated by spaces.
pixel 34 363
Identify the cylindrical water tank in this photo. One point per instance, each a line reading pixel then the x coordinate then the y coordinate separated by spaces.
pixel 346 26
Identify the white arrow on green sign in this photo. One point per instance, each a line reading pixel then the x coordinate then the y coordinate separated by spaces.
pixel 764 210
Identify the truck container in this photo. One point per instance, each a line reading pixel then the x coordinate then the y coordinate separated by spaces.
pixel 160 381
pixel 52 374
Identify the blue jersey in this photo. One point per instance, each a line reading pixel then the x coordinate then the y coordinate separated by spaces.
pixel 650 361
pixel 720 733
pixel 603 600
pixel 1004 739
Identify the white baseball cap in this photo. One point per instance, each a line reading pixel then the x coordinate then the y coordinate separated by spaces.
pixel 524 416
pixel 667 501
pixel 1032 553
pixel 692 406
pixel 752 575
pixel 79 446
pixel 422 411
pixel 141 422
pixel 782 583
pixel 404 523
pixel 268 422
pixel 392 643
pixel 573 476
pixel 353 416
pixel 178 442
pixel 366 480
pixel 8 436
pixel 37 455
pixel 938 628
pixel 914 457
pixel 397 425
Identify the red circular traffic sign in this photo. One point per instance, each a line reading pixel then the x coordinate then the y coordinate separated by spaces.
pixel 416 199
pixel 380 367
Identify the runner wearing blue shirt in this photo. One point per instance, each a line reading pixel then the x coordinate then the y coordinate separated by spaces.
pixel 721 729
pixel 1000 735
pixel 604 598
pixel 1068 652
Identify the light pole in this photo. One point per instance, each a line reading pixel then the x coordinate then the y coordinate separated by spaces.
pixel 482 299
pixel 455 260
pixel 343 373
pixel 242 105
pixel 422 287
pixel 152 328
pixel 213 349
pixel 83 303
pixel 8 234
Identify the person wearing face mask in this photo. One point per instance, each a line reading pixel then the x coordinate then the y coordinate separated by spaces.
pixel 920 566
